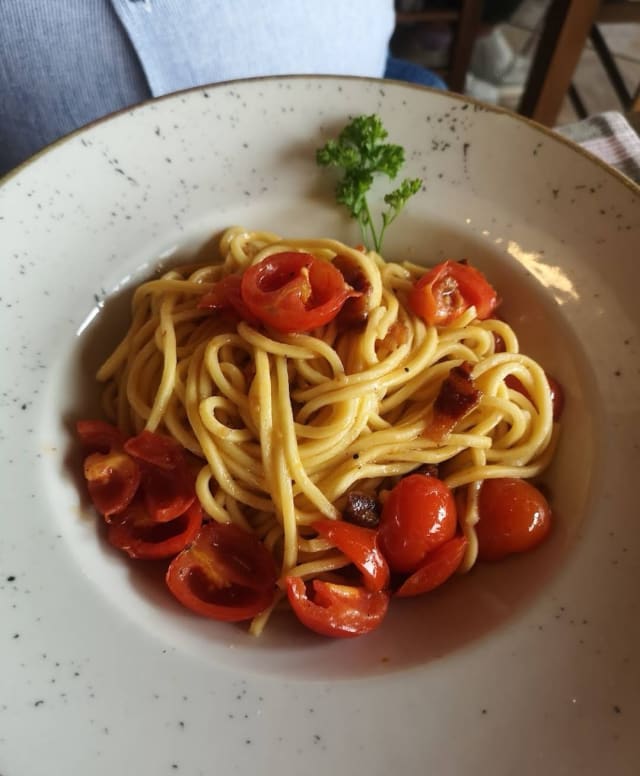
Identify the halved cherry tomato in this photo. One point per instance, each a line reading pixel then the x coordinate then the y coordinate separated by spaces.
pixel 97 436
pixel 443 293
pixel 514 517
pixel 418 516
pixel 360 545
pixel 225 296
pixel 158 449
pixel 294 292
pixel 167 494
pixel 438 566
pixel 112 480
pixel 168 483
pixel 341 611
pixel 140 536
pixel 555 389
pixel 226 574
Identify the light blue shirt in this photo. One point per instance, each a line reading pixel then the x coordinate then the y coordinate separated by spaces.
pixel 64 63
pixel 188 42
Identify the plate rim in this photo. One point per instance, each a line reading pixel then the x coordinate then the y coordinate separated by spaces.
pixel 488 107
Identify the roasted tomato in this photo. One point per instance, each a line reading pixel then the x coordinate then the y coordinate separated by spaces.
pixel 97 436
pixel 418 516
pixel 141 536
pixel 514 517
pixel 226 574
pixel 437 567
pixel 156 449
pixel 112 480
pixel 360 545
pixel 168 482
pixel 443 293
pixel 225 296
pixel 294 292
pixel 341 611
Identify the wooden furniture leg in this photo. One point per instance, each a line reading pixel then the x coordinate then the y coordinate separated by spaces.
pixel 564 34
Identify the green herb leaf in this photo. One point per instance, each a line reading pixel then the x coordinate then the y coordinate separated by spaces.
pixel 360 151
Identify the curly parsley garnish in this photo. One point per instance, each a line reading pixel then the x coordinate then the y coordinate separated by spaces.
pixel 361 152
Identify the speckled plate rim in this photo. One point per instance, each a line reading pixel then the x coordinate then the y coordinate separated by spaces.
pixel 230 83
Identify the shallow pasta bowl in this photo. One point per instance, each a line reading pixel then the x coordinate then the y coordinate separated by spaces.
pixel 101 667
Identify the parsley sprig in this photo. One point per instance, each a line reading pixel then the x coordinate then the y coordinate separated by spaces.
pixel 361 152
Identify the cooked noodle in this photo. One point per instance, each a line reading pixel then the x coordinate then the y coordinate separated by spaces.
pixel 288 424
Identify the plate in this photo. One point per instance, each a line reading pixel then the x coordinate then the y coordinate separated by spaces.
pixel 530 666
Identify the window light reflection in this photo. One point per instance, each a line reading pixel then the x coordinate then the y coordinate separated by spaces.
pixel 551 276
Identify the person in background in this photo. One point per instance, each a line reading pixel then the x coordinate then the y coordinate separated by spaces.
pixel 64 63
pixel 495 69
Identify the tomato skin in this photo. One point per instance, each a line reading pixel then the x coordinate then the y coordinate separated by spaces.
pixel 444 292
pixel 338 611
pixel 514 517
pixel 294 292
pixel 418 516
pixel 97 436
pixel 168 484
pixel 360 545
pixel 157 449
pixel 226 574
pixel 557 397
pixel 140 536
pixel 438 566
pixel 225 296
pixel 112 481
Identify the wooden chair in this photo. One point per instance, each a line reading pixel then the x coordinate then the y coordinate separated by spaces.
pixel 465 21
pixel 567 26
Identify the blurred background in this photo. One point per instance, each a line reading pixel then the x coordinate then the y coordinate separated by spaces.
pixel 556 61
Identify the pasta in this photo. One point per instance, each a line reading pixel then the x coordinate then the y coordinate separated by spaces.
pixel 287 424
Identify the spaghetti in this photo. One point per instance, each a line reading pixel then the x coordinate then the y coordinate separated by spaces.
pixel 286 425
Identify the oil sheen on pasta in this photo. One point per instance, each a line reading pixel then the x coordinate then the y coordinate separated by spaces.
pixel 287 424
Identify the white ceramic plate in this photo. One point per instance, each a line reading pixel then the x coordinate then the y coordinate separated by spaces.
pixel 527 667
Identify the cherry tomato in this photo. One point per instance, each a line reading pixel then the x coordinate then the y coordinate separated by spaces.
pixel 157 449
pixel 226 574
pixel 140 536
pixel 168 483
pixel 438 566
pixel 341 611
pixel 418 516
pixel 294 292
pixel 514 517
pixel 446 291
pixel 555 389
pixel 360 546
pixel 112 480
pixel 97 436
pixel 225 296
pixel 557 397
pixel 167 494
